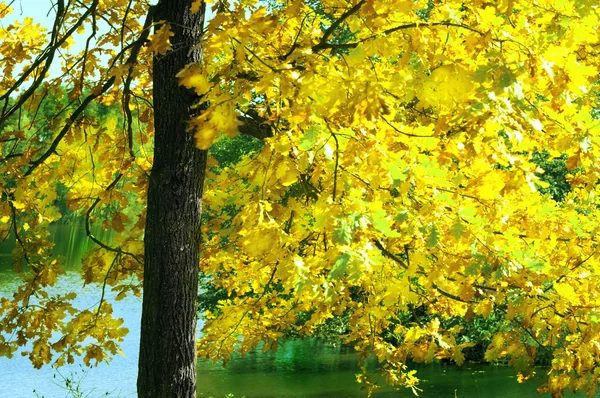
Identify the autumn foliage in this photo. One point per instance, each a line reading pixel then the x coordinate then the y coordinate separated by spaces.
pixel 397 174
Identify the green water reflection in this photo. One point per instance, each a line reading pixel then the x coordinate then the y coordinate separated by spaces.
pixel 299 368
pixel 310 368
pixel 70 244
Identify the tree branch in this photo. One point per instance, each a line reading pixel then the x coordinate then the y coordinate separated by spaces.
pixel 322 45
pixel 339 21
pixel 254 125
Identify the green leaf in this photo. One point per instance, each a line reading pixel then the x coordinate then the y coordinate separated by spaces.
pixel 402 216
pixel 381 223
pixel 343 233
pixel 481 73
pixel 341 265
pixel 457 230
pixel 537 265
pixel 310 138
pixel 433 238
pixel 522 363
pixel 399 170
pixel 506 79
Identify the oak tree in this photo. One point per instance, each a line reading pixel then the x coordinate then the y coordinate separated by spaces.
pixel 398 173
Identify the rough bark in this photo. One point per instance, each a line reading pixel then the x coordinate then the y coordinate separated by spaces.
pixel 167 363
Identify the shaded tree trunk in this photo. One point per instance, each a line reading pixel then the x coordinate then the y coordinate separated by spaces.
pixel 167 363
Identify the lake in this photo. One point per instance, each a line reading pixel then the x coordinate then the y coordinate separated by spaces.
pixel 299 368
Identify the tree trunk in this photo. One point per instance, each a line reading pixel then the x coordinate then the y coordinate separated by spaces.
pixel 167 363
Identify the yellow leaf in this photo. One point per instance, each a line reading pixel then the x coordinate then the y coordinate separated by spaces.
pixel 198 82
pixel 196 5
pixel 159 41
pixel 484 307
pixel 289 176
pixel 18 205
pixel 427 144
pixel 5 9
pixel 573 161
pixel 488 16
pixel 447 87
pixel 419 259
pixel 490 186
pixel 192 77
pixel 224 119
pixel 457 355
pixel 205 137
pixel 413 335
pixel 356 56
pixel 566 291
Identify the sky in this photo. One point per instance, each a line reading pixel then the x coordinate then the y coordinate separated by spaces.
pixel 39 10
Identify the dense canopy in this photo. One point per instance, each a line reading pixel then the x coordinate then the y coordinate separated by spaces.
pixel 398 176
